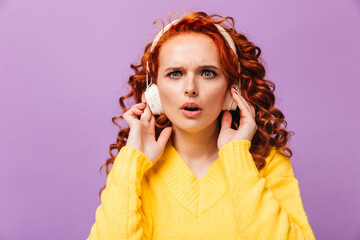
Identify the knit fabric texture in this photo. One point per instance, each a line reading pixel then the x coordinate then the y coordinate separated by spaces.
pixel 164 200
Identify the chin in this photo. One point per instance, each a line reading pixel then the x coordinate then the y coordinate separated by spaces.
pixel 192 126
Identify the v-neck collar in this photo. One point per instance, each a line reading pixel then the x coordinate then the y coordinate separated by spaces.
pixel 196 195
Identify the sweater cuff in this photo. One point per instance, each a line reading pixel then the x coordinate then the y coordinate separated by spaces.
pixel 130 164
pixel 237 158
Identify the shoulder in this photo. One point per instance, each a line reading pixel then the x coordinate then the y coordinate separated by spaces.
pixel 277 165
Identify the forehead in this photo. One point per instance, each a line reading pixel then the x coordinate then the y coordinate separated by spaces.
pixel 187 48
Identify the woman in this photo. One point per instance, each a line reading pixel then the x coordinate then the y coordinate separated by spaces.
pixel 193 164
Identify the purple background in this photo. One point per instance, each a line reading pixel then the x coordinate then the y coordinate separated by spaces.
pixel 64 64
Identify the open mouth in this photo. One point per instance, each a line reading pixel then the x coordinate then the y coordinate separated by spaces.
pixel 191 109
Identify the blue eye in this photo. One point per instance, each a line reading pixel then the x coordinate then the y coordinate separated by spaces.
pixel 174 74
pixel 208 74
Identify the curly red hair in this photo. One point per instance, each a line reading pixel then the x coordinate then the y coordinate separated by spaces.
pixel 254 88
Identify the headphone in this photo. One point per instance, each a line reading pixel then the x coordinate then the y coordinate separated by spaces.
pixel 152 95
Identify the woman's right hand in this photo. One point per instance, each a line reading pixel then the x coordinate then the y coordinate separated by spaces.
pixel 142 131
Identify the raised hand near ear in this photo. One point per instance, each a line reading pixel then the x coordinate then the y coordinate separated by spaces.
pixel 247 127
pixel 142 131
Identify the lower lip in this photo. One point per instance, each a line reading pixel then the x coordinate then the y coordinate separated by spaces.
pixel 190 113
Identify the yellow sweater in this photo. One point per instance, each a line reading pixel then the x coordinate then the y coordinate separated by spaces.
pixel 234 200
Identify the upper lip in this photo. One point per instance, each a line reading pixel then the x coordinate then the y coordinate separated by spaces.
pixel 190 104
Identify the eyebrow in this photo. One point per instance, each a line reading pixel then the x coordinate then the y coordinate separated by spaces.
pixel 202 67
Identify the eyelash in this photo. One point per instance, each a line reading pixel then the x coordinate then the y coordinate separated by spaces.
pixel 212 72
pixel 170 73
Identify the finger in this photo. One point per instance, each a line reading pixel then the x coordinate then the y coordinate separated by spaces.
pixel 253 110
pixel 152 125
pixel 226 120
pixel 164 136
pixel 129 118
pixel 244 110
pixel 137 111
pixel 244 101
pixel 146 116
pixel 143 99
pixel 141 109
pixel 249 106
pixel 140 106
pixel 133 113
pixel 147 112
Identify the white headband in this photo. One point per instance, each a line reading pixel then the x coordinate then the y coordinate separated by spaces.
pixel 223 32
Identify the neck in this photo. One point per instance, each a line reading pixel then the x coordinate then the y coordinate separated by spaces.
pixel 197 147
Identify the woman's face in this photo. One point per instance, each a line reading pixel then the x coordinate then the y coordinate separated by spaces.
pixel 190 71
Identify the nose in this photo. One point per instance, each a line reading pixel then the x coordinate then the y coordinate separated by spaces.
pixel 191 92
pixel 191 89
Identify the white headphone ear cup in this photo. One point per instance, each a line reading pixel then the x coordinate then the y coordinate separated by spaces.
pixel 153 99
pixel 229 103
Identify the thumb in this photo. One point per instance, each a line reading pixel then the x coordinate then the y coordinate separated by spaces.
pixel 226 120
pixel 164 136
pixel 143 99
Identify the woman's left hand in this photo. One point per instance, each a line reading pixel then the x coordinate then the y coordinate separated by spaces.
pixel 247 127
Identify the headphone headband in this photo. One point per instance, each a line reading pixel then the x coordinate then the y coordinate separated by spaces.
pixel 223 32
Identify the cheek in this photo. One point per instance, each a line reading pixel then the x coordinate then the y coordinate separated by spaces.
pixel 167 97
pixel 217 97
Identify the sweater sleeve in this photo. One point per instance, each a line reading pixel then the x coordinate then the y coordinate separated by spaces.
pixel 268 207
pixel 120 214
